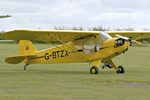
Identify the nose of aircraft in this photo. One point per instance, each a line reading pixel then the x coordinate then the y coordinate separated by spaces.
pixel 121 45
pixel 127 44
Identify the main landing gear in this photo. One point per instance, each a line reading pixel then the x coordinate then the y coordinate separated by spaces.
pixel 95 70
pixel 109 64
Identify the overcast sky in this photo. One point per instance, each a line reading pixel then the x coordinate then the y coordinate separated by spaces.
pixel 45 14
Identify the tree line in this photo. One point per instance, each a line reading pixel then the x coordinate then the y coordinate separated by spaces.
pixel 95 28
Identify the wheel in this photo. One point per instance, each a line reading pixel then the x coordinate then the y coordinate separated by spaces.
pixel 94 70
pixel 120 70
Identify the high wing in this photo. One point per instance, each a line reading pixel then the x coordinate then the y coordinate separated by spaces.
pixel 48 35
pixel 66 35
pixel 137 35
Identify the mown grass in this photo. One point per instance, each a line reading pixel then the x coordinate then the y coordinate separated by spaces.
pixel 73 81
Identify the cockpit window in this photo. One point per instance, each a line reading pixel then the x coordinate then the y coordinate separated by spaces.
pixel 88 45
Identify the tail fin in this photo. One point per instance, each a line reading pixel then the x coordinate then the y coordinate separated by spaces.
pixel 26 48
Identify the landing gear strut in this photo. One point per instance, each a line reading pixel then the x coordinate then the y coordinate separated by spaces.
pixel 25 66
pixel 107 65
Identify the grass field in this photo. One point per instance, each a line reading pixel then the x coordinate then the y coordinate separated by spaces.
pixel 73 81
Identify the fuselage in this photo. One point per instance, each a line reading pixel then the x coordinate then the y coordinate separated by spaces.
pixel 68 53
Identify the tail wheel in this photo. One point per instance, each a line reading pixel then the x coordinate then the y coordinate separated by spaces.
pixel 25 66
pixel 120 70
pixel 94 70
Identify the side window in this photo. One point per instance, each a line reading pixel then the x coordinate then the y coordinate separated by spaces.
pixel 78 45
pixel 98 45
pixel 88 45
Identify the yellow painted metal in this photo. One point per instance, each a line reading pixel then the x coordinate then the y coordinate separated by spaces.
pixel 14 60
pixel 18 59
pixel 67 35
pixel 47 35
pixel 67 53
pixel 73 48
pixel 64 53
pixel 26 48
pixel 137 35
pixel 94 70
pixel 96 63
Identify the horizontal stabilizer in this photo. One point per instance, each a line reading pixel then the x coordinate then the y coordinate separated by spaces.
pixel 18 59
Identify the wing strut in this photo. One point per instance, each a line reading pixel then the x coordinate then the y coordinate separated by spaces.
pixel 71 47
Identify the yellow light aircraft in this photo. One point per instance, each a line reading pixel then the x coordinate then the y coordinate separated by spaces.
pixel 94 47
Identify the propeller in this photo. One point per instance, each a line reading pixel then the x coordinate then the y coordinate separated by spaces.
pixel 129 39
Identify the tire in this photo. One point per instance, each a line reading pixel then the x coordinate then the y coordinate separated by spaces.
pixel 120 70
pixel 94 70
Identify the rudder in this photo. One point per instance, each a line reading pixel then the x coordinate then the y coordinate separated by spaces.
pixel 26 48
